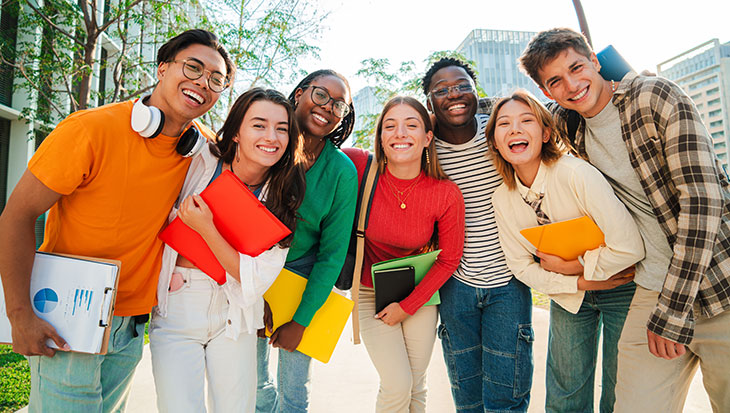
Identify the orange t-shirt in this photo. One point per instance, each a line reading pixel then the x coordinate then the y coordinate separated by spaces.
pixel 117 191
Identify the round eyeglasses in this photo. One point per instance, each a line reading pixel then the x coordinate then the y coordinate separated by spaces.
pixel 321 97
pixel 194 70
pixel 459 89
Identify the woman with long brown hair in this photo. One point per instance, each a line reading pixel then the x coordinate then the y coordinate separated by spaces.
pixel 201 330
pixel 414 208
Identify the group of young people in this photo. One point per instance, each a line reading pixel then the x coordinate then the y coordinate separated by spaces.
pixel 462 174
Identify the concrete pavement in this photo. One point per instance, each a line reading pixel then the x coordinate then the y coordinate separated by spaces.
pixel 349 381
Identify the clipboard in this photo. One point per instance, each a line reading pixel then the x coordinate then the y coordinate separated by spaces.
pixel 323 333
pixel 421 264
pixel 238 215
pixel 76 295
pixel 566 239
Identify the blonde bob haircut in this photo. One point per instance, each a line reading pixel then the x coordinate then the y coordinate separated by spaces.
pixel 552 150
pixel 431 168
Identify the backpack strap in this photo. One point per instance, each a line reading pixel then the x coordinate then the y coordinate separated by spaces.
pixel 370 177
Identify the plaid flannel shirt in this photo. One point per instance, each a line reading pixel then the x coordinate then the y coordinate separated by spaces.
pixel 672 153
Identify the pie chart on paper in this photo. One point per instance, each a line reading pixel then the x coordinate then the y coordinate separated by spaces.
pixel 45 300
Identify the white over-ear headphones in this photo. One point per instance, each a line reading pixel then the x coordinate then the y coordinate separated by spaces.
pixel 148 121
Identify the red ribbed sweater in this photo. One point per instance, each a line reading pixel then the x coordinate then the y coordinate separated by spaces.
pixel 394 232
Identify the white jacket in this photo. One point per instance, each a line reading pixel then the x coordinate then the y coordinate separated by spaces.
pixel 257 273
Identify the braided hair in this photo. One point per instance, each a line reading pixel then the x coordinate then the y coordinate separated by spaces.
pixel 343 130
pixel 442 63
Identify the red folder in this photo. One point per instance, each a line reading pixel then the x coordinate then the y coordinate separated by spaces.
pixel 241 219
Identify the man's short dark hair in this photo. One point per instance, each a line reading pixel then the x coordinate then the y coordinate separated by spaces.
pixel 547 45
pixel 169 50
pixel 442 63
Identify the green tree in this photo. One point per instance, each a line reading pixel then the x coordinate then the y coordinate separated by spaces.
pixel 266 39
pixel 56 50
pixel 387 83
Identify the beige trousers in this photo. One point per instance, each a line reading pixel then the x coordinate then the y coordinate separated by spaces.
pixel 646 383
pixel 400 353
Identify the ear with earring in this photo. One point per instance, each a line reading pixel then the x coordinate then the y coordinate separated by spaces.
pixel 238 155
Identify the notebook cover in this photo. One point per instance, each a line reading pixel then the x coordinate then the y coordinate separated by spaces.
pixel 241 219
pixel 392 285
pixel 323 333
pixel 421 264
pixel 566 239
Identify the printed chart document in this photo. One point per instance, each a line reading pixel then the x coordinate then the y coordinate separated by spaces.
pixel 75 295
pixel 565 239
pixel 322 334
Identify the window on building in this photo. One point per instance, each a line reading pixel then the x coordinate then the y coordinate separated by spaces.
pixel 712 91
pixel 703 83
pixel 4 148
pixel 696 97
pixel 714 113
pixel 103 62
pixel 699 106
pixel 715 123
pixel 9 33
pixel 40 223
pixel 718 134
pixel 713 102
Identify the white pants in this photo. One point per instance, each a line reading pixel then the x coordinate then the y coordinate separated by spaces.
pixel 189 345
pixel 645 383
pixel 400 353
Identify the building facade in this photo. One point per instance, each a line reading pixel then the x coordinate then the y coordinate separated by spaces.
pixel 20 137
pixel 704 73
pixel 495 53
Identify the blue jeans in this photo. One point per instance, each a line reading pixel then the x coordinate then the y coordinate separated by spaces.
pixel 79 382
pixel 487 336
pixel 291 393
pixel 573 346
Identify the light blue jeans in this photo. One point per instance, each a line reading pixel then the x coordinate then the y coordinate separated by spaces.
pixel 573 347
pixel 291 392
pixel 487 337
pixel 79 382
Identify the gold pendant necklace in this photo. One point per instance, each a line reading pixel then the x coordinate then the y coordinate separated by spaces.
pixel 399 195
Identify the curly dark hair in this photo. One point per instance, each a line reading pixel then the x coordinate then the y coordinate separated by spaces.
pixel 342 132
pixel 442 63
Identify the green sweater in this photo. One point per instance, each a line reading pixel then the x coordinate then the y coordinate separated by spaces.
pixel 324 230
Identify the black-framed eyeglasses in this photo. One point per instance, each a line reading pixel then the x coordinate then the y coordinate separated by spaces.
pixel 194 69
pixel 460 89
pixel 321 97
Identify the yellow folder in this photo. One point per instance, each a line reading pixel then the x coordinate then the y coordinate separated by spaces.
pixel 322 334
pixel 566 239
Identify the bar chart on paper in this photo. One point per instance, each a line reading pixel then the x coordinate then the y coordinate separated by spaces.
pixel 82 301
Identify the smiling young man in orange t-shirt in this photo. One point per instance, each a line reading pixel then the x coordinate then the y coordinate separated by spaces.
pixel 109 191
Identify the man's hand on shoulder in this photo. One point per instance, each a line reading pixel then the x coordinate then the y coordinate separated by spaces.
pixel 664 348
pixel 30 334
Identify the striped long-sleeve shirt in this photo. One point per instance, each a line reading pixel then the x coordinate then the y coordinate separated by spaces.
pixel 482 264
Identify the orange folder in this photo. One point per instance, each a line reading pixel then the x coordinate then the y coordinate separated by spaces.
pixel 324 331
pixel 566 239
pixel 241 219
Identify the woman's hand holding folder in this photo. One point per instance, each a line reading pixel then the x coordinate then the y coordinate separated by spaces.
pixel 288 336
pixel 392 314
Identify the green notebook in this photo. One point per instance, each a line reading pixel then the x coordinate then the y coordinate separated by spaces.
pixel 421 264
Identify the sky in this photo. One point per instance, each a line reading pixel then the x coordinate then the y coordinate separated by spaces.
pixel 645 32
